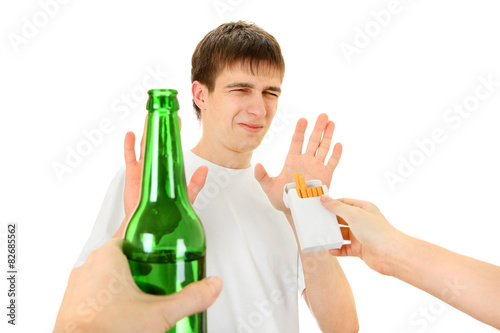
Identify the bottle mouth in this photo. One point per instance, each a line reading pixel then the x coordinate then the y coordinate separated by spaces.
pixel 162 92
pixel 162 99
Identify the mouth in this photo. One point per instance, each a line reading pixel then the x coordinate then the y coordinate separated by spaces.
pixel 251 128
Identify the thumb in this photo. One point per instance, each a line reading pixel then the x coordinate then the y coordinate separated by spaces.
pixel 338 208
pixel 194 298
pixel 262 177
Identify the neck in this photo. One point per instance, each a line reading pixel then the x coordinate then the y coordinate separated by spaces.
pixel 223 156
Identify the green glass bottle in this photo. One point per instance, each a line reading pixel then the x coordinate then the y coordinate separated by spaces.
pixel 164 241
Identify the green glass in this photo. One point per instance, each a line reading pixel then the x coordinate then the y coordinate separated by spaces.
pixel 165 241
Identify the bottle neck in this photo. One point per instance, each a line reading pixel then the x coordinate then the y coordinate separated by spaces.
pixel 163 169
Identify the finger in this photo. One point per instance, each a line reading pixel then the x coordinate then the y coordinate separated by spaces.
pixel 335 252
pixel 197 182
pixel 262 177
pixel 355 202
pixel 112 249
pixel 316 134
pixel 298 137
pixel 129 148
pixel 194 298
pixel 338 208
pixel 335 158
pixel 180 122
pixel 344 251
pixel 326 141
pixel 114 245
pixel 143 135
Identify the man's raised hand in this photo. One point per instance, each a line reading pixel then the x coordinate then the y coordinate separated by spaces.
pixel 310 164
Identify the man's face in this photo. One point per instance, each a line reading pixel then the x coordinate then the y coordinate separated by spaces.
pixel 241 107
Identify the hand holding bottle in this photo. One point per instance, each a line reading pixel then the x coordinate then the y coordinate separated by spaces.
pixel 102 296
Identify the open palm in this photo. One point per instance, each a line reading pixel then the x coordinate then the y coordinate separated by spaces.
pixel 310 164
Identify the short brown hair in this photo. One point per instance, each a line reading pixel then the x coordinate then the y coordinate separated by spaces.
pixel 230 43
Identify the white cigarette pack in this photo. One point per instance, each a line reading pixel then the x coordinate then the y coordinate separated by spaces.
pixel 316 227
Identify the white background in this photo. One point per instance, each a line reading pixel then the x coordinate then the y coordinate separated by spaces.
pixel 71 74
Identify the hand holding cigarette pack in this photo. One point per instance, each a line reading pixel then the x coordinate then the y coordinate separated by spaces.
pixel 316 227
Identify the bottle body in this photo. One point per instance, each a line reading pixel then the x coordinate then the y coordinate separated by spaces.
pixel 164 241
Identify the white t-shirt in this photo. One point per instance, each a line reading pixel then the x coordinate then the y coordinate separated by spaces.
pixel 250 246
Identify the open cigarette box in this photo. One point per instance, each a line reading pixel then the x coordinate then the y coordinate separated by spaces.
pixel 316 227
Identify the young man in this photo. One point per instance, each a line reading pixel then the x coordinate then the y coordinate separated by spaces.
pixel 237 71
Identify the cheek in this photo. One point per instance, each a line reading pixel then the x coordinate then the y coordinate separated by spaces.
pixel 271 107
pixel 236 104
pixel 234 109
pixel 227 119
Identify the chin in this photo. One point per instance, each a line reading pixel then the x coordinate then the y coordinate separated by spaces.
pixel 245 146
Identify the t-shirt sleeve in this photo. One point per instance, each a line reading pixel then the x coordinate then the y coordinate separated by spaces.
pixel 108 220
pixel 301 284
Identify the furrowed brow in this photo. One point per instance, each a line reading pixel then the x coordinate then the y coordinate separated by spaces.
pixel 275 89
pixel 240 85
pixel 249 85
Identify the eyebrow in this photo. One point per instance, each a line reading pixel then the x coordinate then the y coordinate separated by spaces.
pixel 249 85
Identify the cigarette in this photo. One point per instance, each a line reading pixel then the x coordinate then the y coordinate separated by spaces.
pixel 296 177
pixel 320 190
pixel 303 187
pixel 303 191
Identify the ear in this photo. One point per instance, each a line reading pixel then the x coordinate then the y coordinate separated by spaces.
pixel 199 91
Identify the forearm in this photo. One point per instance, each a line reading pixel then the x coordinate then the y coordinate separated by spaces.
pixel 328 293
pixel 470 285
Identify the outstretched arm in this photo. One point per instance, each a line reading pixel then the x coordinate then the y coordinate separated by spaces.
pixel 328 293
pixel 470 285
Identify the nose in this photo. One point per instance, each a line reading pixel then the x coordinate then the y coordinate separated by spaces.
pixel 257 106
